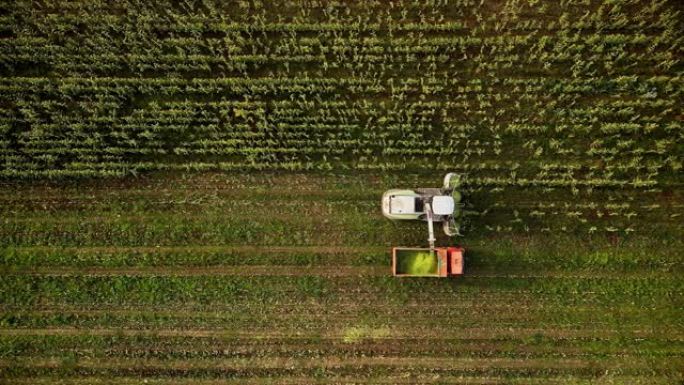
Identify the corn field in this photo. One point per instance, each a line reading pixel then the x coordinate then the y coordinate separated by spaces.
pixel 189 190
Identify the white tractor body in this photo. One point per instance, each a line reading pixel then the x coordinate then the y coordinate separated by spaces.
pixel 427 204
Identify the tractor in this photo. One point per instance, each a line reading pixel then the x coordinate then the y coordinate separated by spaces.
pixel 430 205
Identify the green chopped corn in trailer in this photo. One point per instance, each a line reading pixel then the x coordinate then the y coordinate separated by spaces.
pixel 416 262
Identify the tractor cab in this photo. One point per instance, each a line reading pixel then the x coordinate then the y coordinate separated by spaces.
pixel 426 204
pixel 405 204
pixel 443 205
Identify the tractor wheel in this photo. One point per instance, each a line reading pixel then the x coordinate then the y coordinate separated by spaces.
pixel 452 180
pixel 451 228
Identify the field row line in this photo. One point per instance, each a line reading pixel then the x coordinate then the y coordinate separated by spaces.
pixel 340 380
pixel 483 301
pixel 304 270
pixel 212 248
pixel 331 362
pixel 395 334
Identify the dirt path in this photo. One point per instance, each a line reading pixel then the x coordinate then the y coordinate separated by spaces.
pixel 332 362
pixel 293 380
pixel 396 333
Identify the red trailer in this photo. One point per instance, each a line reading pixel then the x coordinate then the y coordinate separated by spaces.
pixel 422 262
